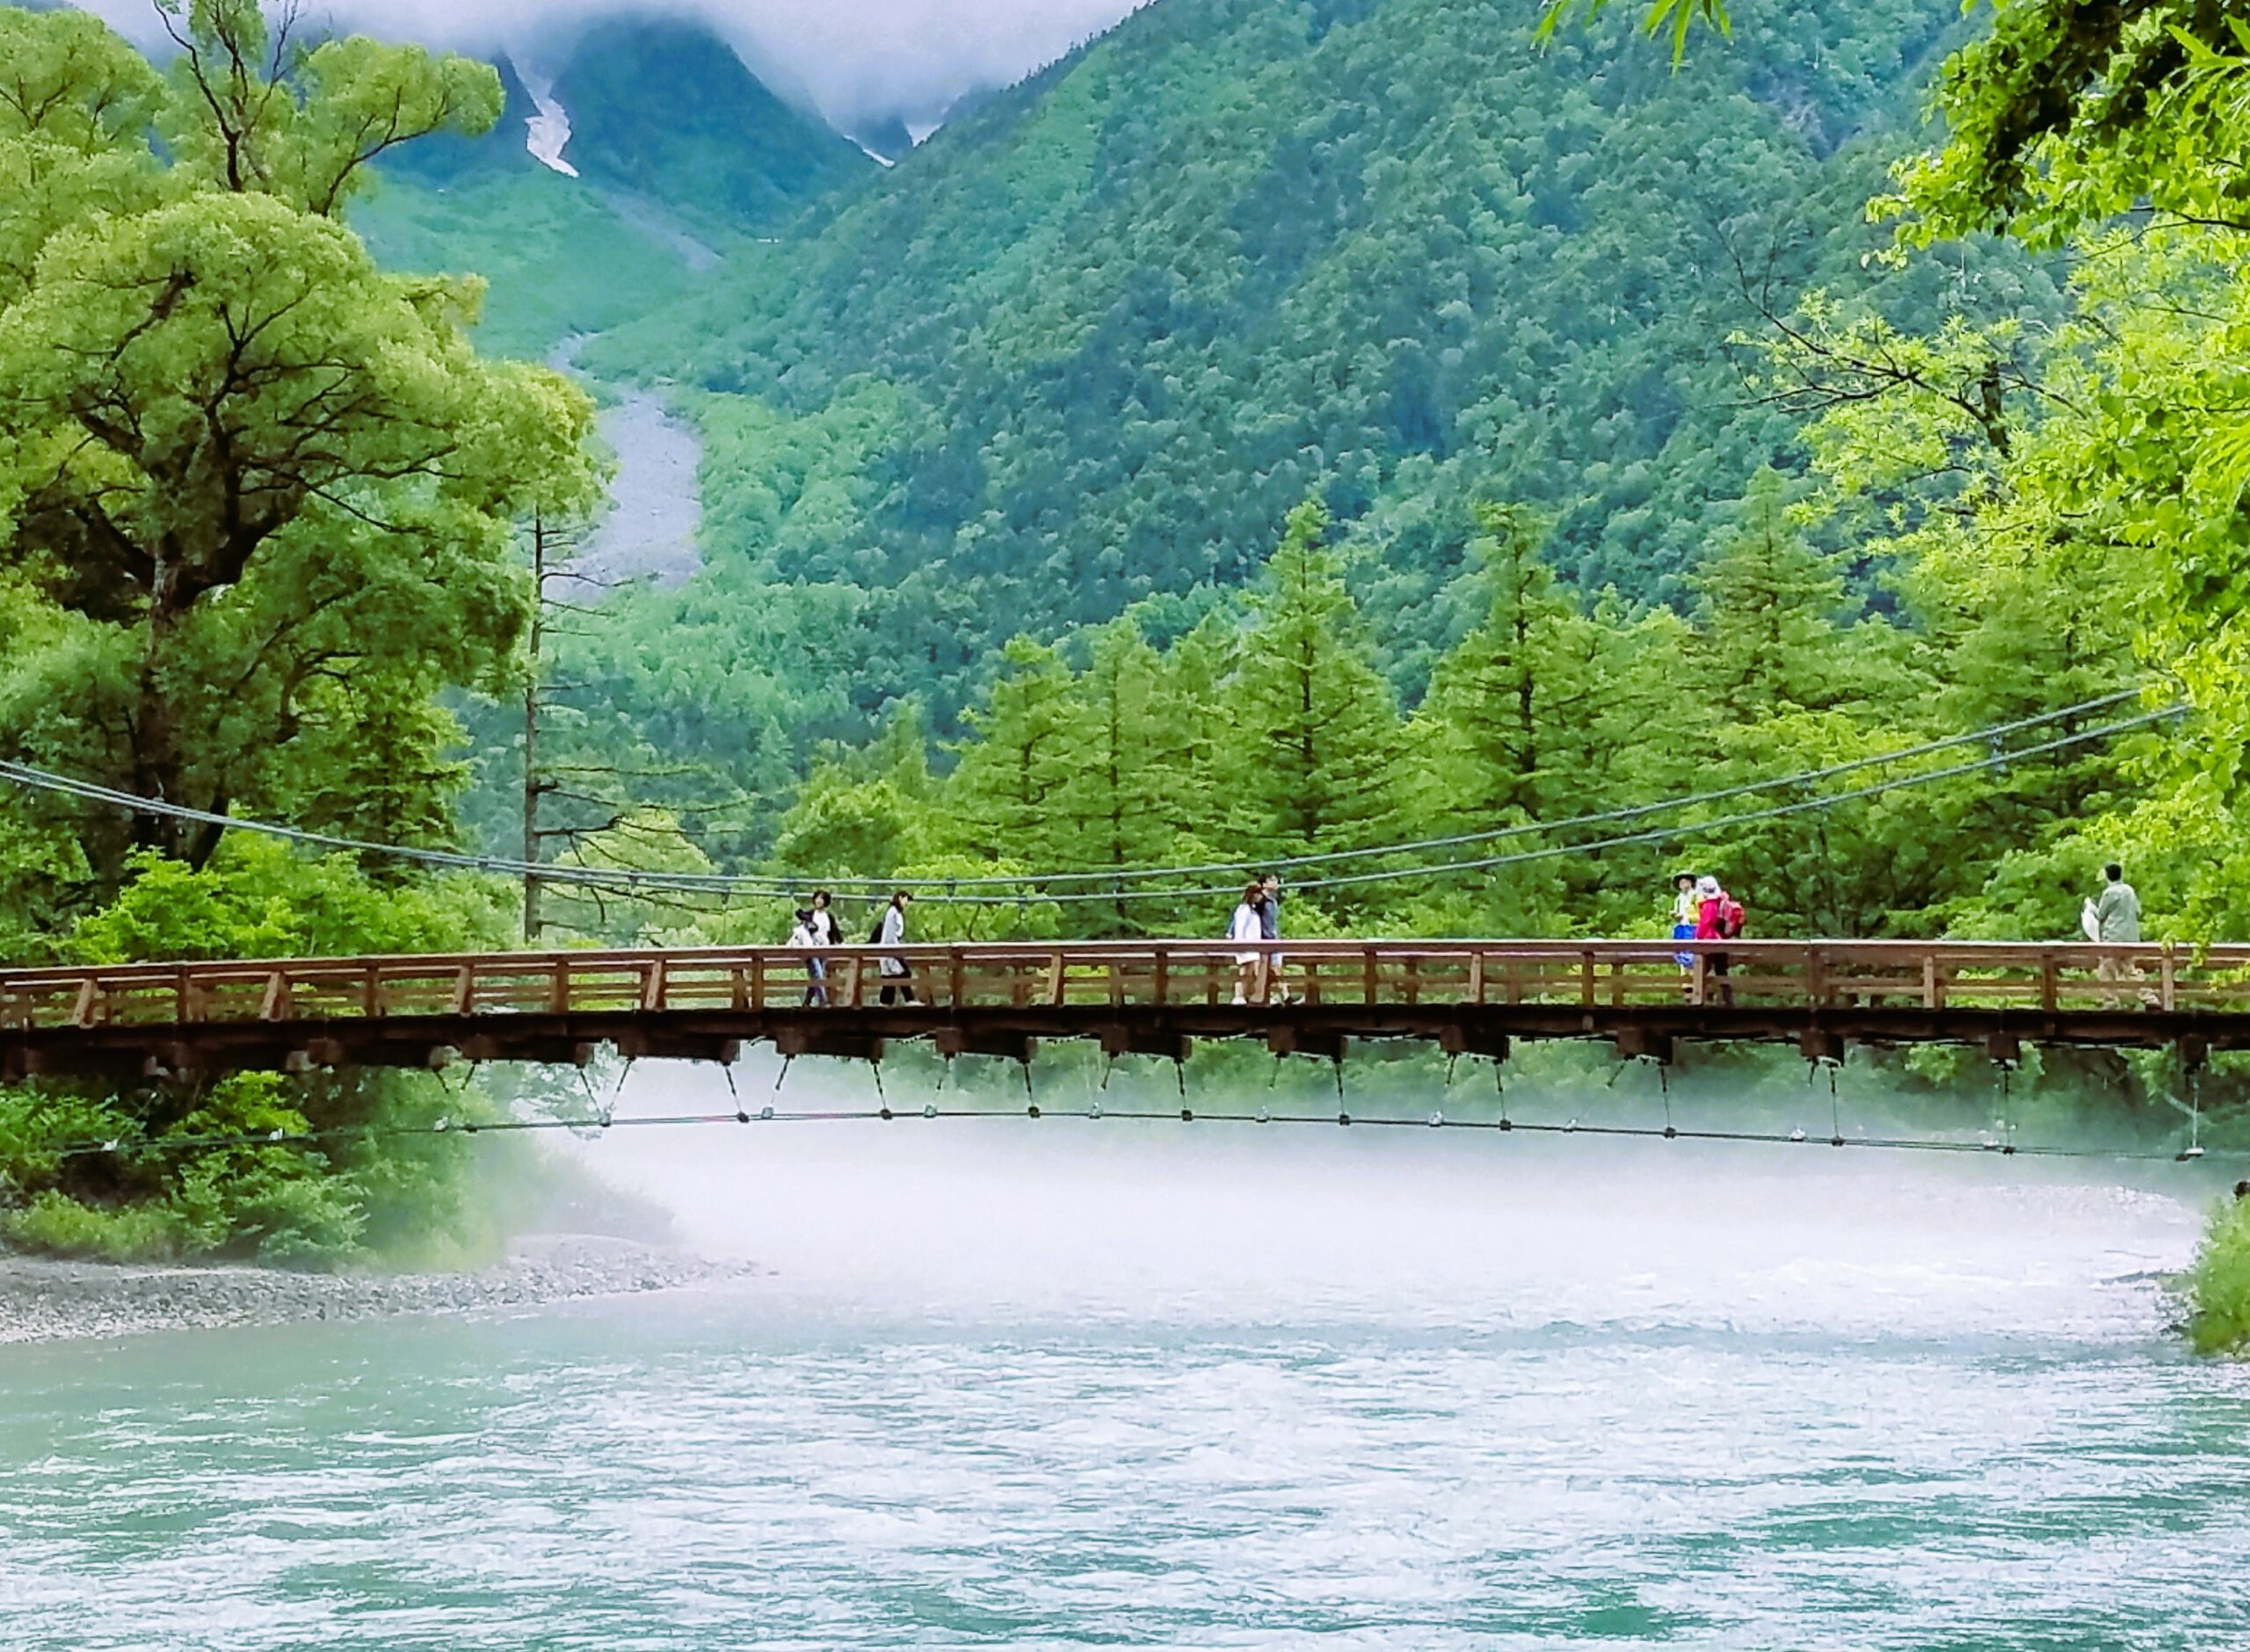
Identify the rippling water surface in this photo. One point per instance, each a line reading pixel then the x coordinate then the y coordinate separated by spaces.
pixel 1166 1388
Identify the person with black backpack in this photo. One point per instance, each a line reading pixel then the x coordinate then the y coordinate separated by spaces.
pixel 891 930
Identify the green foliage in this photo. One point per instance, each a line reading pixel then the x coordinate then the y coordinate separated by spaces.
pixel 2065 115
pixel 260 493
pixel 557 258
pixel 2218 1285
pixel 258 898
pixel 256 512
pixel 55 1224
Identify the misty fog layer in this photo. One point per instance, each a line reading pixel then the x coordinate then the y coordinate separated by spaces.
pixel 857 62
pixel 1070 1217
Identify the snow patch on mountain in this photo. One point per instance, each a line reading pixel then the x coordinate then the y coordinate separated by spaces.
pixel 549 131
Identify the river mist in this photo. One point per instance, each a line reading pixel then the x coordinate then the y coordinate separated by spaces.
pixel 1054 1383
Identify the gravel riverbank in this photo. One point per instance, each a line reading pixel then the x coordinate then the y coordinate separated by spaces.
pixel 43 1300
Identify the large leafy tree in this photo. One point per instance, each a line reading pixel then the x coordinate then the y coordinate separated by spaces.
pixel 266 492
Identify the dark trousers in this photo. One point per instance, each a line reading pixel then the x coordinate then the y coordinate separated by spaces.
pixel 898 990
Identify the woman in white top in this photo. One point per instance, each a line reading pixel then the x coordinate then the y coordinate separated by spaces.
pixel 1251 927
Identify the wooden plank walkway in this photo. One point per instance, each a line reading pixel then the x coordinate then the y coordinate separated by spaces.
pixel 1469 996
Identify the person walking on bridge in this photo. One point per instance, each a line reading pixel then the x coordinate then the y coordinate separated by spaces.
pixel 2117 923
pixel 1718 918
pixel 1269 924
pixel 1686 910
pixel 1249 926
pixel 805 940
pixel 898 976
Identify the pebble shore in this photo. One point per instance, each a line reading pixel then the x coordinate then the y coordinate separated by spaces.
pixel 45 1300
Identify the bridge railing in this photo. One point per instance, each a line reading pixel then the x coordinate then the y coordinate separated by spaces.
pixel 997 976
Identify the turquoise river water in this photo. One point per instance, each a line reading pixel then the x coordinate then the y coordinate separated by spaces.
pixel 1066 1385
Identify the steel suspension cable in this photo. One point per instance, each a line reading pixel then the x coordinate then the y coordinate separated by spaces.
pixel 1343 1116
pixel 1026 885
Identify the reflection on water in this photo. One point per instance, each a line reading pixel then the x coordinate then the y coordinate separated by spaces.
pixel 1029 1385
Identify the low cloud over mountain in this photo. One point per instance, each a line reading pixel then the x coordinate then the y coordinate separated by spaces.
pixel 860 62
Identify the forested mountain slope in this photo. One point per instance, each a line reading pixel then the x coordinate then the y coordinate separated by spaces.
pixel 1090 344
pixel 675 151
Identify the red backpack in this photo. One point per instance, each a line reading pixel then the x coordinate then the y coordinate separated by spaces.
pixel 1732 917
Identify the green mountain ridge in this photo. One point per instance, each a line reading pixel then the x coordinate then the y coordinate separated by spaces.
pixel 1086 347
pixel 680 150
pixel 665 109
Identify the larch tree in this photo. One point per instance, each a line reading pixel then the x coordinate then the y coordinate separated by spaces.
pixel 1112 800
pixel 270 491
pixel 1489 721
pixel 1768 637
pixel 1317 764
pixel 1016 758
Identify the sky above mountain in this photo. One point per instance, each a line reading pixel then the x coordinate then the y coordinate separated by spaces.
pixel 858 62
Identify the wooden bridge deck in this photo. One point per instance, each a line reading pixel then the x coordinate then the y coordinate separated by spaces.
pixel 1467 996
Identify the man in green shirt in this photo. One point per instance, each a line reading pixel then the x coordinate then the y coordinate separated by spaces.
pixel 2117 923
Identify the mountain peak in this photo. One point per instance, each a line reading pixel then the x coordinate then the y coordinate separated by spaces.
pixel 666 108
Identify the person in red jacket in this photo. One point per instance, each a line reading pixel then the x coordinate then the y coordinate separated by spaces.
pixel 1712 913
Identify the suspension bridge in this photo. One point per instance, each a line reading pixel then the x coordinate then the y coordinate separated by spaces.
pixel 153 1022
